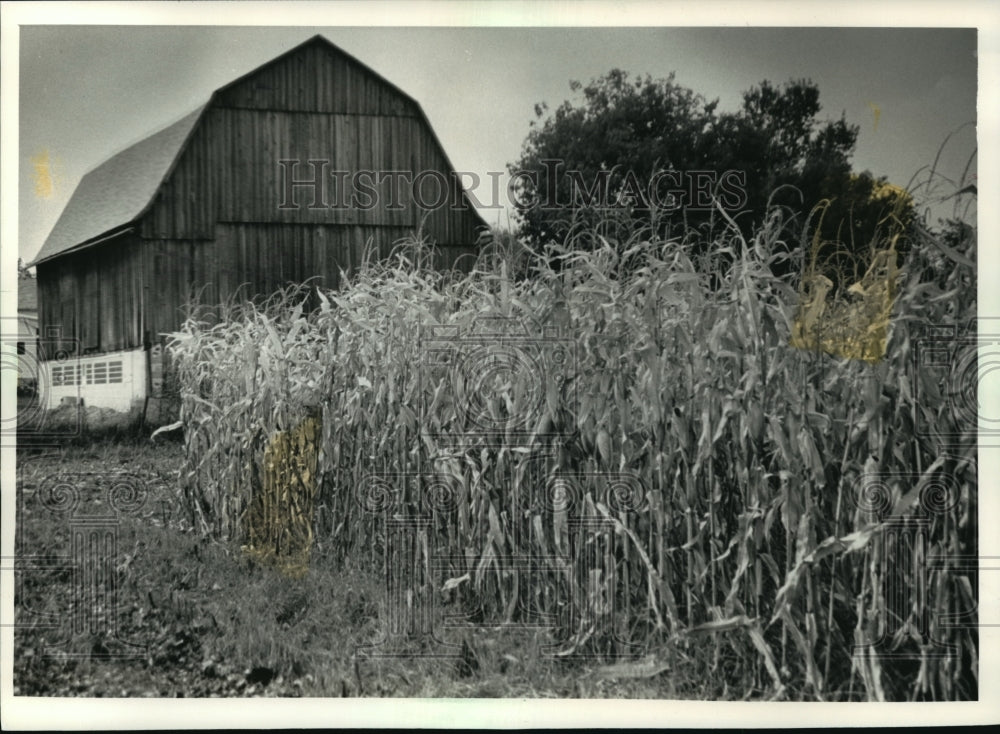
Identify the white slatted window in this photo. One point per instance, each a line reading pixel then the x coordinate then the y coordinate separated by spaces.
pixel 115 371
pixel 94 373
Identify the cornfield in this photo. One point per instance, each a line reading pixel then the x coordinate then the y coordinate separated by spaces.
pixel 613 446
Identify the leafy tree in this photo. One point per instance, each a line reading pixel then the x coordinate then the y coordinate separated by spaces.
pixel 644 152
pixel 579 160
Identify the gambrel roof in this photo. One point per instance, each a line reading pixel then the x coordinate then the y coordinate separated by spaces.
pixel 114 195
pixel 119 190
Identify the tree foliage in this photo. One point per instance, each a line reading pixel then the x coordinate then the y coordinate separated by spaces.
pixel 22 270
pixel 648 152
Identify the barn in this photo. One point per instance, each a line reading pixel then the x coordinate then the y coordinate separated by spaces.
pixel 288 173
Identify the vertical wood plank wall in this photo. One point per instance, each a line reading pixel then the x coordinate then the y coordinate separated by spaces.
pixel 93 298
pixel 216 223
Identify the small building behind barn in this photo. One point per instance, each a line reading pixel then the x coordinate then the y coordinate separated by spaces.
pixel 27 334
pixel 286 174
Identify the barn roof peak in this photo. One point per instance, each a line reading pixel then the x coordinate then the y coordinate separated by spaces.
pixel 322 41
pixel 112 196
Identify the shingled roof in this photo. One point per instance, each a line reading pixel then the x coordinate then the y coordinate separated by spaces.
pixel 118 191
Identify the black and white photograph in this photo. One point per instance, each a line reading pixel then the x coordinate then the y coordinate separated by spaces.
pixel 500 361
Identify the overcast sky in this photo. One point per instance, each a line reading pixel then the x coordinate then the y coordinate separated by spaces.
pixel 88 91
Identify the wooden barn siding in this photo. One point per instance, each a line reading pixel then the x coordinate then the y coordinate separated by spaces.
pixel 252 184
pixel 167 266
pixel 260 258
pixel 312 104
pixel 457 257
pixel 186 204
pixel 230 173
pixel 317 78
pixel 445 225
pixel 92 298
pixel 269 257
pixel 215 223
